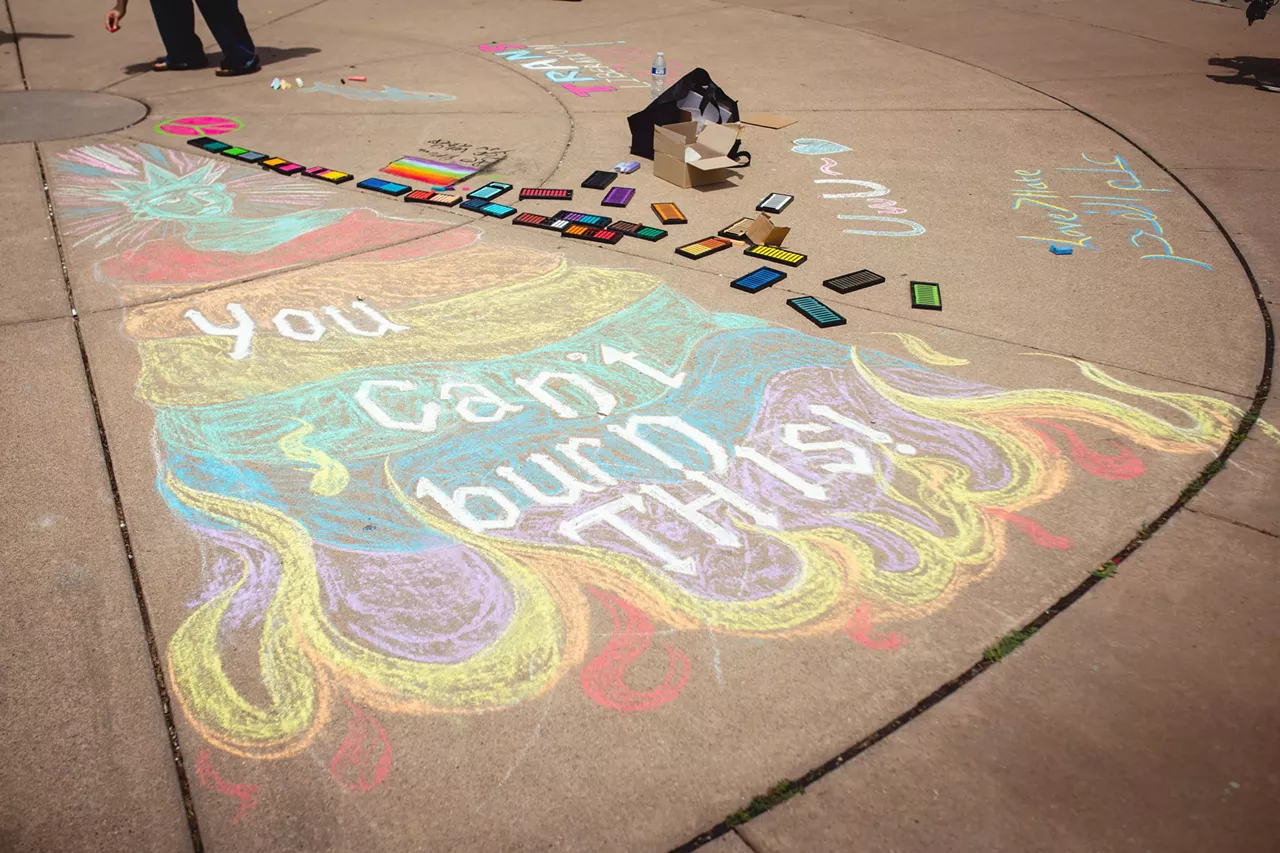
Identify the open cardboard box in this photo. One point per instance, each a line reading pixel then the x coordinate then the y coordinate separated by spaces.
pixel 756 230
pixel 687 157
pixel 763 232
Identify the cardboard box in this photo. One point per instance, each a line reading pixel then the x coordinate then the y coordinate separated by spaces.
pixel 687 157
pixel 764 233
pixel 757 230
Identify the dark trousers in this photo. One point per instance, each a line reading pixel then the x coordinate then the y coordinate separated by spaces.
pixel 177 23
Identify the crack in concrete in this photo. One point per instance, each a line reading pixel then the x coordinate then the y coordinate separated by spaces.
pixel 1233 522
pixel 157 667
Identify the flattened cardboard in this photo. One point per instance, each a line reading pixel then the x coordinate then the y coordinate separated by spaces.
pixel 687 157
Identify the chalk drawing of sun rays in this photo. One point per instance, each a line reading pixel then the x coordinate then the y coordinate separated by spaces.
pixel 387 93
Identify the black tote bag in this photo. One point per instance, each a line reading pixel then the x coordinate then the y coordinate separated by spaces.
pixel 700 95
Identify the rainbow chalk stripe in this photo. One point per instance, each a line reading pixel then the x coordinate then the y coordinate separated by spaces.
pixel 428 171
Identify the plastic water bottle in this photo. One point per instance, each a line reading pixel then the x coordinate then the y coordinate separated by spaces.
pixel 658 76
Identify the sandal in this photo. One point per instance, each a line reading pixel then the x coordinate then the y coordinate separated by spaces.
pixel 252 68
pixel 163 64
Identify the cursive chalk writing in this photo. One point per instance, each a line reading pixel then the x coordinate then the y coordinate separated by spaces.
pixel 1134 184
pixel 1030 190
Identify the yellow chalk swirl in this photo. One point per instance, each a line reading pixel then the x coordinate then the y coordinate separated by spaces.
pixel 303 656
pixel 301 649
pixel 330 477
pixel 923 352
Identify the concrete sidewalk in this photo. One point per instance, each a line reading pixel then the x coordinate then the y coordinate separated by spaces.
pixel 344 523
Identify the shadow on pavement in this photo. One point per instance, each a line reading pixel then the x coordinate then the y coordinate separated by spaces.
pixel 268 55
pixel 1249 69
pixel 9 38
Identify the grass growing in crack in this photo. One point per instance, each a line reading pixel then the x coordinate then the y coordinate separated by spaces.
pixel 1007 644
pixel 1238 438
pixel 1106 570
pixel 779 793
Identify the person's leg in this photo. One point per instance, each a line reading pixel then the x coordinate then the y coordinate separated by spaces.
pixel 228 27
pixel 176 20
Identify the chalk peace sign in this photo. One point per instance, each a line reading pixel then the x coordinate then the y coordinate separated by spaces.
pixel 198 126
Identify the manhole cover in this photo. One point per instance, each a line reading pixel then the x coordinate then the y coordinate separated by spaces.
pixel 40 116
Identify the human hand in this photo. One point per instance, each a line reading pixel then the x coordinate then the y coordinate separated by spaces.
pixel 113 19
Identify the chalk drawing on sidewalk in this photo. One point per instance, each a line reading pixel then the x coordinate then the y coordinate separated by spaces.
pixel 363 761
pixel 608 67
pixel 1120 199
pixel 446 477
pixel 464 153
pixel 818 147
pixel 179 218
pixel 246 795
pixel 514 453
pixel 199 126
pixel 386 93
pixel 885 210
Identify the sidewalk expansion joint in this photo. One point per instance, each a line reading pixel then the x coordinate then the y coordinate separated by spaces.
pixel 1233 522
pixel 17 48
pixel 157 669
